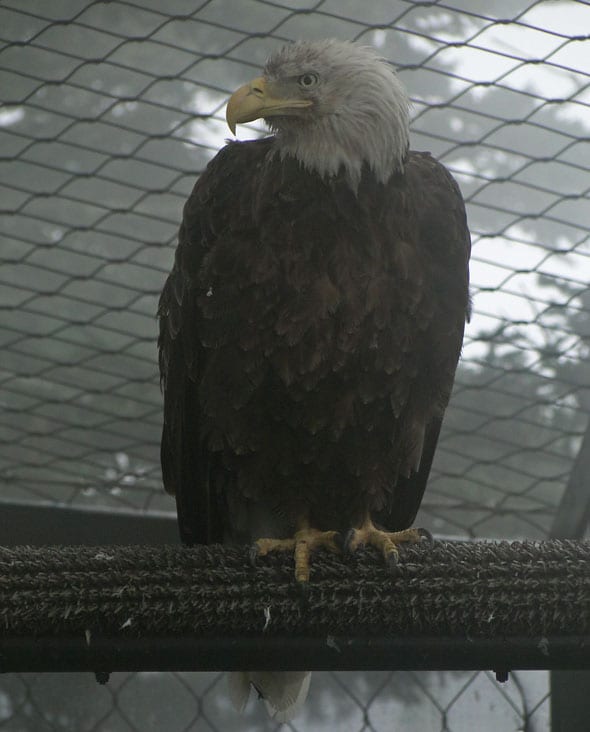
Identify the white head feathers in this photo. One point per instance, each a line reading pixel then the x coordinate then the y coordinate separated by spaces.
pixel 360 111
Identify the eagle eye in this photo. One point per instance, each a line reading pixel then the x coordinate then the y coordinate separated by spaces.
pixel 307 80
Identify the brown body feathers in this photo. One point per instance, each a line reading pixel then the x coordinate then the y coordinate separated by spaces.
pixel 309 337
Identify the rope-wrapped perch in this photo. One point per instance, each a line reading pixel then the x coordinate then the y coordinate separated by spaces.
pixel 460 594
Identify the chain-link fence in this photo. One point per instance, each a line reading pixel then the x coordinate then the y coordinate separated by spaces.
pixel 351 702
pixel 110 110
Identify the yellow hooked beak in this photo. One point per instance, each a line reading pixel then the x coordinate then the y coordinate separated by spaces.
pixel 255 100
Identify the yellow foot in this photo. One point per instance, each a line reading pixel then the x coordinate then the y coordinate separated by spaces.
pixel 386 542
pixel 301 544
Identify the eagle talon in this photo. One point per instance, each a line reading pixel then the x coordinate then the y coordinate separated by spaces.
pixel 303 589
pixel 426 537
pixel 386 542
pixel 347 543
pixel 340 542
pixel 392 560
pixel 253 554
pixel 302 544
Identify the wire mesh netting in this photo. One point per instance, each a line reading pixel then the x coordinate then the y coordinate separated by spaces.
pixel 191 702
pixel 110 111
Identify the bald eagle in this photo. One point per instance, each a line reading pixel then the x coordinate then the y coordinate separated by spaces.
pixel 312 322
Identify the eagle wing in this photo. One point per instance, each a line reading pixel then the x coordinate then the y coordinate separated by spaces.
pixel 444 238
pixel 189 471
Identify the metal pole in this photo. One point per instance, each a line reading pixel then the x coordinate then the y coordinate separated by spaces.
pixel 106 654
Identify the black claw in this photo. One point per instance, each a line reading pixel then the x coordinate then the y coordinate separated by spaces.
pixel 391 560
pixel 340 541
pixel 426 537
pixel 303 588
pixel 253 553
pixel 346 542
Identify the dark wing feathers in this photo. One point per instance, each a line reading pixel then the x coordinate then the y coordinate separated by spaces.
pixel 317 310
pixel 186 466
pixel 445 237
pixel 410 489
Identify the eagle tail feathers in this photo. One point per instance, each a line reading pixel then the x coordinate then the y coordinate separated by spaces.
pixel 283 692
pixel 238 683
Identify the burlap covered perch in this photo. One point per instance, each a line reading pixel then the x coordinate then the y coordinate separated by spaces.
pixel 462 593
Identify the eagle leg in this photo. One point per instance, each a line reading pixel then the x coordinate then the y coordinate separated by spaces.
pixel 386 542
pixel 305 540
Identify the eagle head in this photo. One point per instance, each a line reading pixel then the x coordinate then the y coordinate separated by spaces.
pixel 333 105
